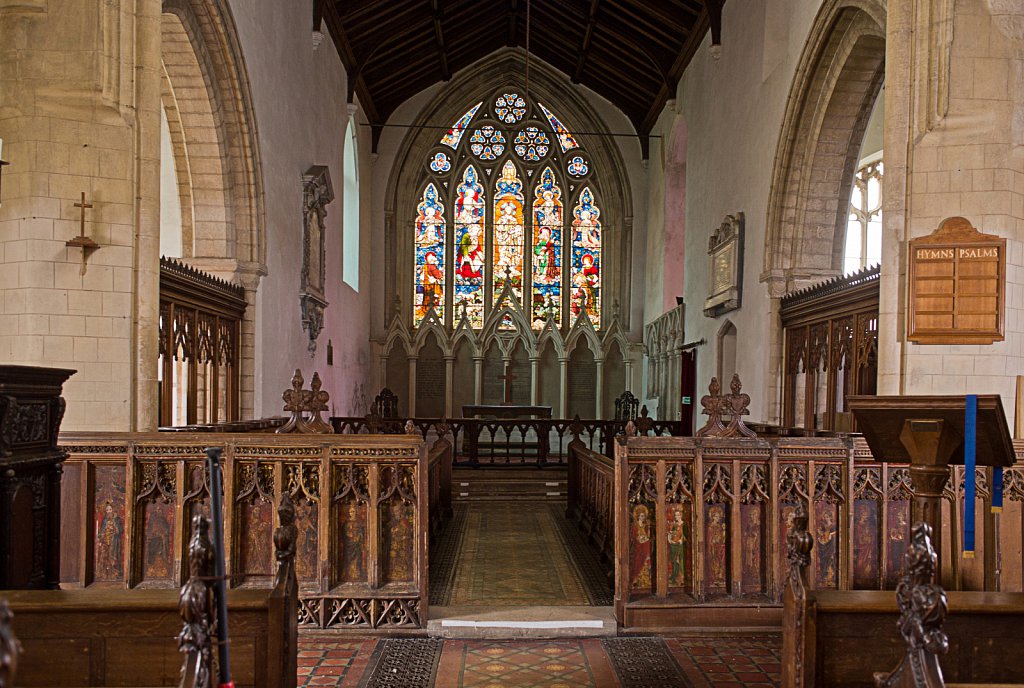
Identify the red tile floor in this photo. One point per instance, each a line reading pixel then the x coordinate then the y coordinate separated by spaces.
pixel 705 661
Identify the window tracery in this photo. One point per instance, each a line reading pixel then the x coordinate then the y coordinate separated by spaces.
pixel 864 224
pixel 495 243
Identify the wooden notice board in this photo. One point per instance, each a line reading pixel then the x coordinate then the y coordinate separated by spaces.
pixel 957 285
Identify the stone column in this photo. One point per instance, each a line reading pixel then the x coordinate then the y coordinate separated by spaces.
pixel 563 388
pixel 599 387
pixel 449 381
pixel 535 380
pixel 79 112
pixel 478 380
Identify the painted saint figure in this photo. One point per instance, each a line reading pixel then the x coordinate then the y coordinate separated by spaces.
pixel 109 543
pixel 545 258
pixel 716 547
pixel 678 540
pixel 640 541
pixel 432 281
pixel 470 258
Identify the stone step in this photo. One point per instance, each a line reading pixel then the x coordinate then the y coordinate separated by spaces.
pixel 515 623
pixel 509 483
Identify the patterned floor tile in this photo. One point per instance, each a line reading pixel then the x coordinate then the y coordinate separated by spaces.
pixel 753 661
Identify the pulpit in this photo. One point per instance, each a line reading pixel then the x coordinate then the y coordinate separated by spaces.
pixel 31 409
pixel 928 432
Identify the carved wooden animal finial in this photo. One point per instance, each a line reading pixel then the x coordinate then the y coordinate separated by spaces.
pixel 712 404
pixel 443 429
pixel 410 428
pixel 316 402
pixel 644 423
pixel 630 429
pixel 196 606
pixel 10 648
pixel 922 606
pixel 285 537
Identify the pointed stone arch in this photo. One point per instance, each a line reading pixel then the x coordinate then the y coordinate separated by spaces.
pixel 837 80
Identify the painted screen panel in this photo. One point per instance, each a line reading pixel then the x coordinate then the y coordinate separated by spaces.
pixel 547 251
pixel 586 258
pixel 430 272
pixel 470 248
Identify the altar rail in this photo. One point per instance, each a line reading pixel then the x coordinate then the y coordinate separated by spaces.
pixel 737 495
pixel 504 441
pixel 362 505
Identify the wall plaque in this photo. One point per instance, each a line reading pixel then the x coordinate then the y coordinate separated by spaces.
pixel 317 192
pixel 725 270
pixel 957 285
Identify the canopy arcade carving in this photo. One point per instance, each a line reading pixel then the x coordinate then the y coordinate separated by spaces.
pixel 957 285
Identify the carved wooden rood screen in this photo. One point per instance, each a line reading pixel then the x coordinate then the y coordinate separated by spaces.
pixel 361 505
pixel 831 350
pixel 200 327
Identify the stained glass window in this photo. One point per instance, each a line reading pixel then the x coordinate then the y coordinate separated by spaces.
pixel 586 258
pixel 508 189
pixel 547 251
pixel 430 281
pixel 454 134
pixel 470 248
pixel 508 231
pixel 565 139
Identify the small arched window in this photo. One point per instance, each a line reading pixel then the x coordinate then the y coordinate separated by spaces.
pixel 350 225
pixel 492 215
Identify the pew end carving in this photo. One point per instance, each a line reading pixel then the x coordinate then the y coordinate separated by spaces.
pixel 196 605
pixel 923 608
pixel 10 648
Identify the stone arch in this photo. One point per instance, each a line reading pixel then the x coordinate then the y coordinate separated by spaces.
pixel 835 86
pixel 409 175
pixel 217 155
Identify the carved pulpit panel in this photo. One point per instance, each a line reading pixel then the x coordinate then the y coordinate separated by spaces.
pixel 725 254
pixel 957 285
pixel 317 192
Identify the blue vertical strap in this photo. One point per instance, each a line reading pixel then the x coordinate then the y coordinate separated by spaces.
pixel 970 450
pixel 997 490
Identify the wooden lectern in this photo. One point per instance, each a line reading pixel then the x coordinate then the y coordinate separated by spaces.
pixel 928 432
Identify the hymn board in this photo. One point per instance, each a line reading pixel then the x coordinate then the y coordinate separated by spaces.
pixel 957 285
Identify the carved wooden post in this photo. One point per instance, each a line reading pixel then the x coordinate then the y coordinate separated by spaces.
pixel 10 648
pixel 196 607
pixel 285 537
pixel 922 605
pixel 798 660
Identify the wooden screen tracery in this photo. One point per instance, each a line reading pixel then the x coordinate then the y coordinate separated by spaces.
pixel 831 351
pixel 200 326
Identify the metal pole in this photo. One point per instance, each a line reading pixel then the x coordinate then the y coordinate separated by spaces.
pixel 220 585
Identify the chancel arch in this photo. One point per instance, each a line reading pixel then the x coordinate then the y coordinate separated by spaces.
pixel 511 219
pixel 218 213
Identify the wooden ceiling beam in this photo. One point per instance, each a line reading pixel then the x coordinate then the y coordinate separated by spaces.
pixel 357 84
pixel 653 29
pixel 585 48
pixel 446 74
pixel 376 12
pixel 513 22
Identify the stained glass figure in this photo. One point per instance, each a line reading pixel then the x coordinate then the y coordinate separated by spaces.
pixel 586 259
pixel 565 139
pixel 532 144
pixel 430 277
pixel 487 143
pixel 454 135
pixel 577 166
pixel 510 108
pixel 470 248
pixel 440 163
pixel 547 251
pixel 508 231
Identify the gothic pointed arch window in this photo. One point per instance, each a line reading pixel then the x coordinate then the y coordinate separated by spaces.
pixel 524 218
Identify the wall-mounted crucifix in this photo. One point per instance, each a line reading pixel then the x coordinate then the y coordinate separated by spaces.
pixel 82 241
pixel 508 377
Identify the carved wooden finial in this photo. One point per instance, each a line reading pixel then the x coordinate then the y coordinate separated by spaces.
pixel 737 405
pixel 798 545
pixel 196 606
pixel 922 605
pixel 410 428
pixel 443 428
pixel 10 648
pixel 286 534
pixel 576 428
pixel 712 405
pixel 316 402
pixel 630 429
pixel 294 402
pixel 644 423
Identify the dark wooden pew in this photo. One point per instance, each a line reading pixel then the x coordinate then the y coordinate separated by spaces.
pixel 117 637
pixel 842 638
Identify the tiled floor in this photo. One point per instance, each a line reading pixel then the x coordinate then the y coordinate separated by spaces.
pixel 568 663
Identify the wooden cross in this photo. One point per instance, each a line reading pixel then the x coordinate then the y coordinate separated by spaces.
pixel 508 377
pixel 83 205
